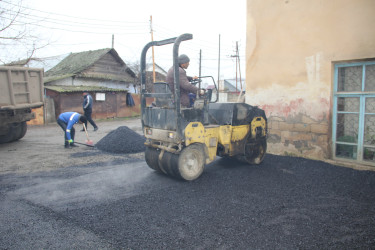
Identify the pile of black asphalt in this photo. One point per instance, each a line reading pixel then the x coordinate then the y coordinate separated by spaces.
pixel 283 203
pixel 122 140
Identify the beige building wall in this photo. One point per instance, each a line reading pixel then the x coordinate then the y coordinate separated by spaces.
pixel 291 49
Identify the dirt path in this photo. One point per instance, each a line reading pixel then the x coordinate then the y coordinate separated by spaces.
pixel 42 148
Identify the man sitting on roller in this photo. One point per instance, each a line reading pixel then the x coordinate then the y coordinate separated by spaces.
pixel 185 86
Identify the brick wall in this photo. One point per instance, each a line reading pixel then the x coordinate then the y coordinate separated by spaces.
pixel 301 136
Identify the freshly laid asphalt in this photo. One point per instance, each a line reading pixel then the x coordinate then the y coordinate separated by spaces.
pixel 284 203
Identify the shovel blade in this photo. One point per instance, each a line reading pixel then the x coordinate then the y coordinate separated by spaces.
pixel 88 145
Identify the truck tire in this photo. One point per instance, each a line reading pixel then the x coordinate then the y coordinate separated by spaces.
pixel 6 138
pixel 10 135
pixel 15 132
pixel 20 131
pixel 24 129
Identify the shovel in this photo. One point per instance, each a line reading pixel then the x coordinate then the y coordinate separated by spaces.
pixel 88 145
pixel 88 142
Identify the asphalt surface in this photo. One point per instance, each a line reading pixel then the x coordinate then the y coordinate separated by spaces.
pixel 285 203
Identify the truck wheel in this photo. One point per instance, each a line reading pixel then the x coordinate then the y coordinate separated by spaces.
pixel 6 138
pixel 255 152
pixel 19 130
pixel 23 129
pixel 14 130
pixel 152 158
pixel 191 162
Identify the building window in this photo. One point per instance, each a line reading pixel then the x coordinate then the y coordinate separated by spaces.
pixel 354 112
pixel 100 96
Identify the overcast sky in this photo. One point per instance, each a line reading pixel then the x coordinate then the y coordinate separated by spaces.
pixel 81 25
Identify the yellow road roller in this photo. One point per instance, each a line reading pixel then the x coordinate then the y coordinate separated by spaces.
pixel 181 141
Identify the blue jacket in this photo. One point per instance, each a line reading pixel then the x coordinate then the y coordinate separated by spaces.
pixel 70 118
pixel 87 102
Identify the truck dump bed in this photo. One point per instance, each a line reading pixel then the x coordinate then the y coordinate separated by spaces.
pixel 20 87
pixel 21 90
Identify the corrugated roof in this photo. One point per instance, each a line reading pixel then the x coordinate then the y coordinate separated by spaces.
pixel 70 89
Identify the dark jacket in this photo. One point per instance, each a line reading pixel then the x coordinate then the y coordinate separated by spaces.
pixel 185 86
pixel 87 103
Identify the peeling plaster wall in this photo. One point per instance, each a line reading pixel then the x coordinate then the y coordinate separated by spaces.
pixel 291 49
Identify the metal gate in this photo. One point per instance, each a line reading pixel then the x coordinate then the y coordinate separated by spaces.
pixel 353 133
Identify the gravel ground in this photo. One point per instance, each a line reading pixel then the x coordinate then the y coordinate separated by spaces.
pixel 100 200
pixel 42 148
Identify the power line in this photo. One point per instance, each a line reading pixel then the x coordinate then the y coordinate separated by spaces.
pixel 76 31
pixel 74 17
pixel 71 23
pixel 209 47
pixel 36 21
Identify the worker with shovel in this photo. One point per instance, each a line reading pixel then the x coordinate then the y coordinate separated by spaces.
pixel 66 121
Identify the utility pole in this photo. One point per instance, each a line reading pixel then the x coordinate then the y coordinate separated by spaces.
pixel 236 64
pixel 200 63
pixel 200 66
pixel 239 66
pixel 238 69
pixel 218 74
pixel 113 41
pixel 153 58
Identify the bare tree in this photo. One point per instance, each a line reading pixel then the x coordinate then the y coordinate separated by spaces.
pixel 135 66
pixel 18 39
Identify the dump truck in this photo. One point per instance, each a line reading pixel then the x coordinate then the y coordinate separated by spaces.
pixel 21 90
pixel 181 141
